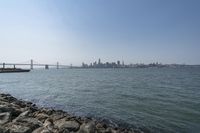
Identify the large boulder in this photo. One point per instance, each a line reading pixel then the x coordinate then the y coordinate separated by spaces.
pixel 48 127
pixel 70 125
pixel 22 116
pixel 57 115
pixel 5 118
pixel 87 128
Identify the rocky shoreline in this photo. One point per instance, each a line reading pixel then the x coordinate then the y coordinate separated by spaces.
pixel 18 116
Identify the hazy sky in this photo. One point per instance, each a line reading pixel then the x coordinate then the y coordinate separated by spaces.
pixel 72 31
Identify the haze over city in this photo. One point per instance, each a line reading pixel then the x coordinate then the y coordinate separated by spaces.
pixel 72 32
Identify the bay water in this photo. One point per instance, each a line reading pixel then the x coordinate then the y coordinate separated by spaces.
pixel 153 99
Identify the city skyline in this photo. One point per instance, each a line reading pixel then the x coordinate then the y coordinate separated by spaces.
pixel 121 64
pixel 74 31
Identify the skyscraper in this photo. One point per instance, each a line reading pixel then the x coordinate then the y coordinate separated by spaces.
pixel 99 62
pixel 118 63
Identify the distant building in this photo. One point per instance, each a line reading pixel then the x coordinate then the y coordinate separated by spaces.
pixel 118 63
pixel 95 64
pixel 99 62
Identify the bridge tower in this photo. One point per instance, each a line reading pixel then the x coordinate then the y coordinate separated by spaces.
pixel 46 66
pixel 4 65
pixel 31 64
pixel 57 65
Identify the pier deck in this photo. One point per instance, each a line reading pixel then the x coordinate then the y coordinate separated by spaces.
pixel 12 70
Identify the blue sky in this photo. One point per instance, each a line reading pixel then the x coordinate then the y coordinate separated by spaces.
pixel 72 31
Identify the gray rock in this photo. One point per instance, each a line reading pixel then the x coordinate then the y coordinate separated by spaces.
pixel 41 116
pixel 22 116
pixel 108 130
pixel 48 124
pixel 29 122
pixel 87 128
pixel 70 125
pixel 2 130
pixel 17 128
pixel 57 116
pixel 17 116
pixel 25 113
pixel 8 108
pixel 5 118
pixel 47 111
pixel 63 131
pixel 115 131
pixel 42 130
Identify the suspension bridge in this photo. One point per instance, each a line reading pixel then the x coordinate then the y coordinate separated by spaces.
pixel 32 64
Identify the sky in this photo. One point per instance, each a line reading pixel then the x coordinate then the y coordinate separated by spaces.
pixel 76 31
